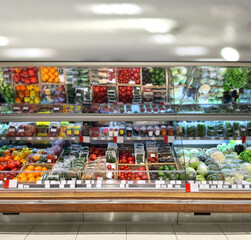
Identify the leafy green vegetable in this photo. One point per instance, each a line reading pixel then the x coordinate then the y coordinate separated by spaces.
pixel 246 155
pixel 234 78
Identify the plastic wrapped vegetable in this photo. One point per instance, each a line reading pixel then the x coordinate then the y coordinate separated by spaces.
pixel 229 129
pixel 201 129
pixel 210 129
pixel 219 128
pixel 191 130
pixel 236 129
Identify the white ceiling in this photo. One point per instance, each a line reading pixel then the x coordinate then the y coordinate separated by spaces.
pixel 69 30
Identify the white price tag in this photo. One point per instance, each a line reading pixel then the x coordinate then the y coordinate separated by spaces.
pixel 98 185
pixel 213 186
pixel 94 138
pixel 215 182
pixel 12 183
pixel 73 138
pixel 123 181
pixel 21 130
pixel 52 138
pixel 63 182
pixel 159 182
pixel 72 185
pixel 39 182
pixel 234 186
pixel 194 187
pixel 177 186
pixel 246 186
pixel 20 186
pixel 225 186
pixel 25 108
pixel 47 185
pixel 109 175
pixel 26 186
pixel 49 160
pixel 53 182
pixel 39 138
pixel 152 155
pixel 157 186
pixel 87 181
pixel 18 138
pixel 86 139
pixel 29 138
pixel 79 181
pixel 46 182
pixel 60 138
pixel 141 181
pixel 120 139
pixel 88 185
pixel 3 138
pixel 219 186
pixel 170 139
pixel 178 182
pixel 172 181
pixel 56 108
pixel 220 182
pixel 109 181
pixel 122 185
pixel 130 182
pixel 169 186
pixel 61 185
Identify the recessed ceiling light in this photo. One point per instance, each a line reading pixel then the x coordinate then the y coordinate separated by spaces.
pixel 116 9
pixel 4 41
pixel 230 54
pixel 163 39
pixel 191 51
pixel 29 53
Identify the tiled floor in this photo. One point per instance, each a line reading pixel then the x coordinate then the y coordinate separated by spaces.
pixel 77 231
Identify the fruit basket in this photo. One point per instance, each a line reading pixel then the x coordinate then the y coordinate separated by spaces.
pixel 133 172
pixel 33 173
pixel 165 171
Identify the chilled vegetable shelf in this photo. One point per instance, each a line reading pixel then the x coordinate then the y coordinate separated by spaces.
pixel 134 136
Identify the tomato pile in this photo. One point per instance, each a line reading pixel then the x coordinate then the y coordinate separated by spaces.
pixel 152 158
pixel 96 152
pixel 128 174
pixel 99 94
pixel 126 158
pixel 125 94
pixel 25 75
pixel 126 75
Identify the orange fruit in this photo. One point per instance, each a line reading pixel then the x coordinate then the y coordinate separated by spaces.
pixel 31 167
pixel 46 76
pixel 27 170
pixel 52 70
pixel 29 175
pixel 50 80
pixel 32 179
pixel 23 179
pixel 38 168
pixel 46 70
pixel 21 175
pixel 38 178
pixel 56 80
pixel 41 174
pixel 56 74
pixel 55 68
pixel 44 169
pixel 52 76
pixel 43 79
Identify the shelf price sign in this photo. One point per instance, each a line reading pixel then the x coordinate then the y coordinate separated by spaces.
pixel 168 139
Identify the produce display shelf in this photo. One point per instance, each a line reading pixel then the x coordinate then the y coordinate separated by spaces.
pixel 94 117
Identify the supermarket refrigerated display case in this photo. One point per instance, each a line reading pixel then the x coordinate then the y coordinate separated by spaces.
pixel 79 137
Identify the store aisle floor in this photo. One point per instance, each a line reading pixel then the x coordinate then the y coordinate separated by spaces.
pixel 94 231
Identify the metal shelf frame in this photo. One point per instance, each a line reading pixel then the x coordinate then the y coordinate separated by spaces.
pixel 97 117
